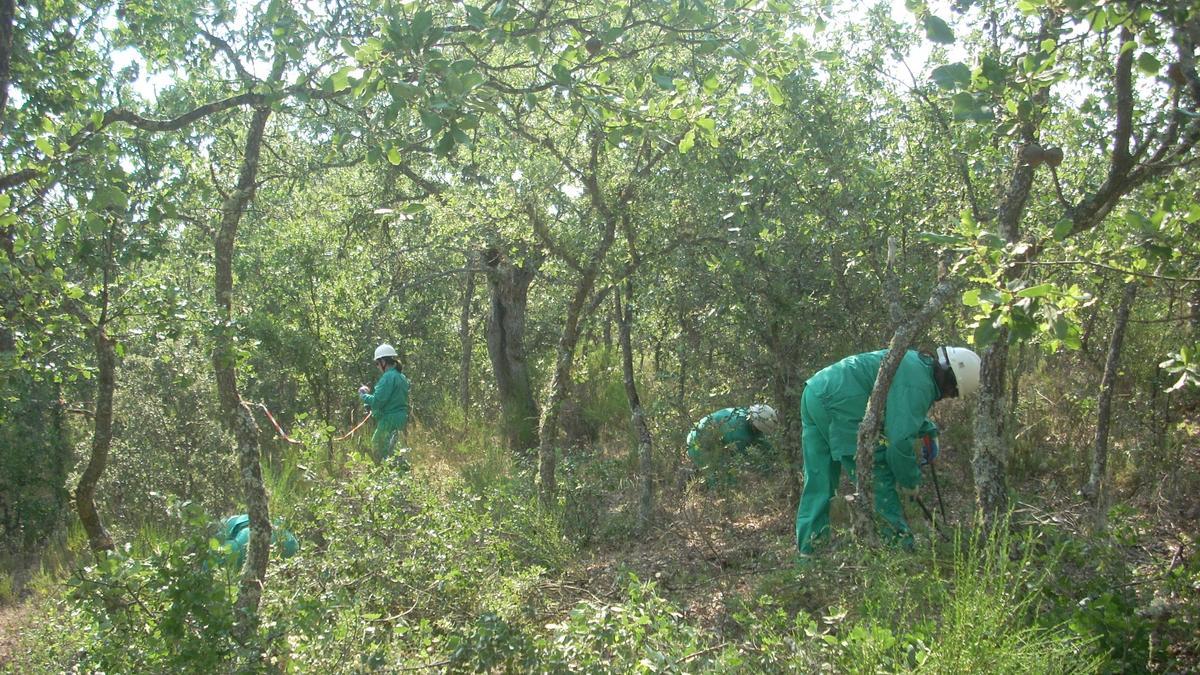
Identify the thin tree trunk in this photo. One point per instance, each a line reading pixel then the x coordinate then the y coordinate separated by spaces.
pixel 85 492
pixel 1014 391
pixel 560 385
pixel 508 292
pixel 682 351
pixel 464 338
pixel 236 413
pixel 637 415
pixel 1096 488
pixel 868 430
pixel 7 17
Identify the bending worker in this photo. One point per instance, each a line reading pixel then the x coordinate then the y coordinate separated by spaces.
pixel 389 402
pixel 833 405
pixel 728 434
pixel 235 533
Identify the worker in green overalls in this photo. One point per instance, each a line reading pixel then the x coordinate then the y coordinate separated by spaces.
pixel 388 403
pixel 833 405
pixel 235 533
pixel 726 436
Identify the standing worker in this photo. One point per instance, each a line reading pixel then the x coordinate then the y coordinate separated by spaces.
pixel 833 405
pixel 389 402
pixel 720 437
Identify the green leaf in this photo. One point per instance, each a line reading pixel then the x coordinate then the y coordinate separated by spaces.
pixel 393 156
pixel 971 298
pixel 951 75
pixel 475 17
pixel 946 239
pixel 421 23
pixel 1135 219
pixel 5 202
pixel 987 330
pixel 432 121
pixel 1147 63
pixel 403 91
pixel 687 142
pixel 45 146
pixel 109 196
pixel 562 76
pixel 1039 291
pixel 1062 229
pixel 938 30
pixel 413 208
pixel 340 80
pixel 775 94
pixel 968 107
pixel 445 144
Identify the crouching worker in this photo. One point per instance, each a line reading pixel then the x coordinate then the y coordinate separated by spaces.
pixel 235 533
pixel 726 436
pixel 388 404
pixel 833 405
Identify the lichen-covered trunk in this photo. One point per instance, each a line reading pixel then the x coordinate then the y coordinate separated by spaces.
pixel 1095 488
pixel 560 386
pixel 464 339
pixel 989 462
pixel 236 413
pixel 508 291
pixel 99 538
pixel 645 448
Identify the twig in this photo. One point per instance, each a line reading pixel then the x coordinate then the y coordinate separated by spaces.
pixel 708 650
pixel 426 666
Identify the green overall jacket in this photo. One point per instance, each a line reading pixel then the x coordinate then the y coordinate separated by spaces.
pixel 389 407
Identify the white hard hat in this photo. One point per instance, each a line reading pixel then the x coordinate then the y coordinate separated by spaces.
pixel 965 364
pixel 762 416
pixel 384 350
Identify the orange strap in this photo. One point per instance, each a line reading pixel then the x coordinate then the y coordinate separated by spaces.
pixel 284 436
pixel 348 434
pixel 278 428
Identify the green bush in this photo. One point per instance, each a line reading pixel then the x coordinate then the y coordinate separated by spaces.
pixel 169 610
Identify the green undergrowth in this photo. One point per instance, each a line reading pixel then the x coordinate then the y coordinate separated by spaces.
pixel 453 566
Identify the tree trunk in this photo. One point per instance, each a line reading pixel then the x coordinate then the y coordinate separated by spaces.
pixel 1096 488
pixel 868 430
pixel 236 413
pixel 637 416
pixel 560 386
pixel 1014 391
pixel 989 460
pixel 85 493
pixel 7 14
pixel 787 397
pixel 508 292
pixel 1194 309
pixel 7 17
pixel 464 338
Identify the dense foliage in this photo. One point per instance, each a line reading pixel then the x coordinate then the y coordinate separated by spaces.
pixel 584 225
